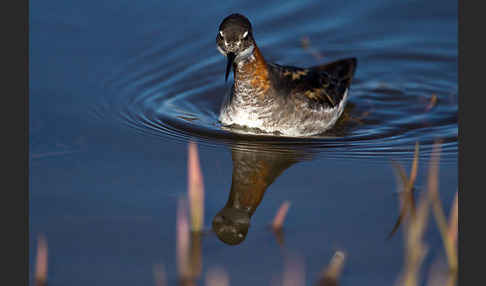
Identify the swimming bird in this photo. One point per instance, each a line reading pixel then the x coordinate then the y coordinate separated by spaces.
pixel 272 98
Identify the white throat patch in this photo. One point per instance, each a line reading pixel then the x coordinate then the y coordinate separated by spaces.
pixel 246 53
pixel 221 50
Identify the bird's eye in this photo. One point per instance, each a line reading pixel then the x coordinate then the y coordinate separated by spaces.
pixel 221 33
pixel 245 34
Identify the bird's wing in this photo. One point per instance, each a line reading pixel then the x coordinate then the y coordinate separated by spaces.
pixel 335 78
pixel 324 85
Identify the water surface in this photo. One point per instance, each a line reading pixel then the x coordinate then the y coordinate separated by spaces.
pixel 118 88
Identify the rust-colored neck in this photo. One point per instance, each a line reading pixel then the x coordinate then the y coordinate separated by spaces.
pixel 253 173
pixel 253 71
pixel 248 188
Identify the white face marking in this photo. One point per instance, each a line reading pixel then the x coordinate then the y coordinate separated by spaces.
pixel 221 33
pixel 245 34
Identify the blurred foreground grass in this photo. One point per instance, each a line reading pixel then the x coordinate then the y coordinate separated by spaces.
pixel 414 219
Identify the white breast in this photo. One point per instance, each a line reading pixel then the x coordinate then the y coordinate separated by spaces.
pixel 246 115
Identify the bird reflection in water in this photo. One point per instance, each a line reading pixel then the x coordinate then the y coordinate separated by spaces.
pixel 254 170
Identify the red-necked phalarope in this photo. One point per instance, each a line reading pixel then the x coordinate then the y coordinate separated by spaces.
pixel 282 100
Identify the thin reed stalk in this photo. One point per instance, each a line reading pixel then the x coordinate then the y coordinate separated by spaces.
pixel 195 189
pixel 279 218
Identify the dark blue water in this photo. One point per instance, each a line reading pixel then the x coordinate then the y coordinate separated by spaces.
pixel 118 88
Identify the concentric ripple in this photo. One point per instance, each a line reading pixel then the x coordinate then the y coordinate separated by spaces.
pixel 174 92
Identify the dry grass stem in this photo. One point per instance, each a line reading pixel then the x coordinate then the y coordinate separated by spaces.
pixel 414 246
pixel 279 236
pixel 196 189
pixel 415 227
pixel 440 218
pixel 413 172
pixel 183 240
pixel 330 275
pixel 40 275
pixel 454 220
pixel 407 196
pixel 195 255
pixel 279 219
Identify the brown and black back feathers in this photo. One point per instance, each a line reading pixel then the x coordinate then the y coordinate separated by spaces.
pixel 321 85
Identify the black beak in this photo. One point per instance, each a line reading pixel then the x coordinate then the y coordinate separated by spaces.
pixel 231 58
